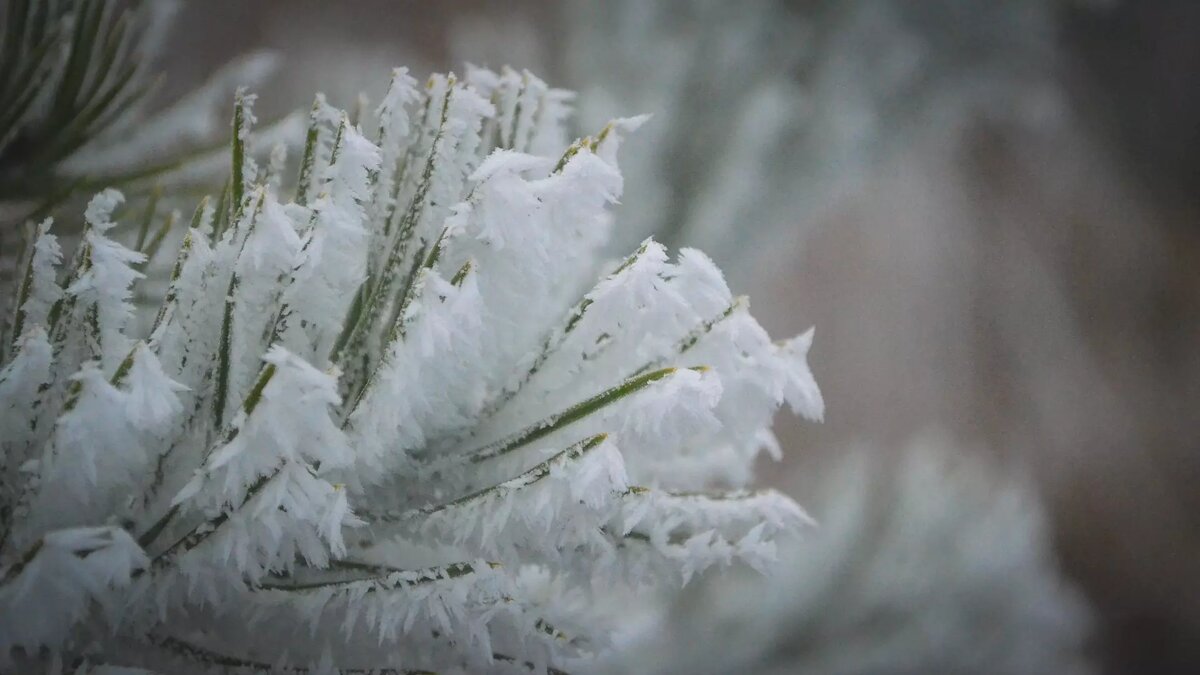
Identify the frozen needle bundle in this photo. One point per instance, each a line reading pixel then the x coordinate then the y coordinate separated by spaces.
pixel 389 421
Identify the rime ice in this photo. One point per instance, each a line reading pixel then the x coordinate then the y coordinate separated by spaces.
pixel 397 404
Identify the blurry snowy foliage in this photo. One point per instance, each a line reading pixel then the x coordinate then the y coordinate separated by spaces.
pixel 383 416
pixel 933 565
pixel 76 87
pixel 776 108
pixel 70 71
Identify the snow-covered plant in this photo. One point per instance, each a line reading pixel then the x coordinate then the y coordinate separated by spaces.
pixel 387 421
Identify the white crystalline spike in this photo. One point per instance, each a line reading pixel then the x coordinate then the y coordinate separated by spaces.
pixel 393 111
pixel 152 403
pixel 100 209
pixel 103 290
pixel 702 282
pixel 44 290
pixel 802 393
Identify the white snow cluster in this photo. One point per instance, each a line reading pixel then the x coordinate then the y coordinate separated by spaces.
pixel 388 421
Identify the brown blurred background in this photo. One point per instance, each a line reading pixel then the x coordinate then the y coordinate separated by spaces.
pixel 989 211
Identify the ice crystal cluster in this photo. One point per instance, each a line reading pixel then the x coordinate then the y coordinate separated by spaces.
pixel 389 421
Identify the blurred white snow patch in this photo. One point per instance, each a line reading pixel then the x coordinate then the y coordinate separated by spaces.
pixel 935 563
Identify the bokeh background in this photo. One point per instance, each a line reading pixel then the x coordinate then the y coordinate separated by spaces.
pixel 988 210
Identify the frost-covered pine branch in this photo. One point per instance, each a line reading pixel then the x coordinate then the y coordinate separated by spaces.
pixel 384 416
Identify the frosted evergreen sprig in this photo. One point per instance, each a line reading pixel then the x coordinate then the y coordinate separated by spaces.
pixel 387 404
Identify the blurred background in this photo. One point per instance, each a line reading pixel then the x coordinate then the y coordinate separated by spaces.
pixel 988 211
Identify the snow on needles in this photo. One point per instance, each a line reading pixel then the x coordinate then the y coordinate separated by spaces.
pixel 392 413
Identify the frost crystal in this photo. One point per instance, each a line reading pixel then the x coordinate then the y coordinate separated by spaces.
pixel 391 421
